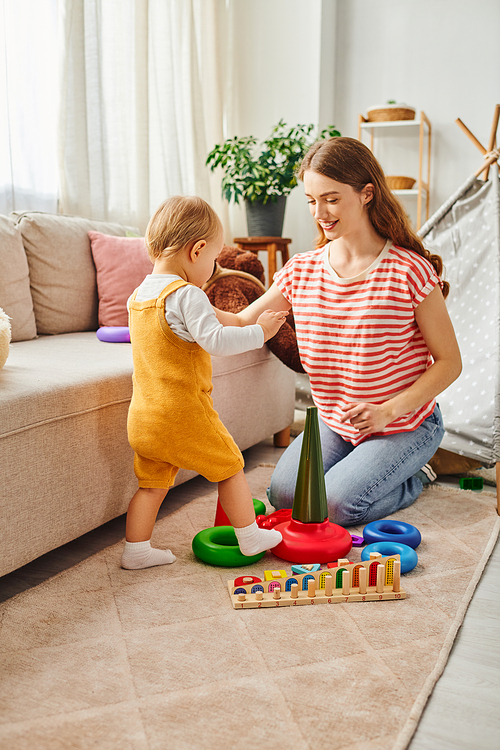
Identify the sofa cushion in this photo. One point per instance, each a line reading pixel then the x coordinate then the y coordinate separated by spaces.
pixel 62 272
pixel 59 377
pixel 15 294
pixel 121 265
pixel 65 461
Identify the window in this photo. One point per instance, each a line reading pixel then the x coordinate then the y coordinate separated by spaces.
pixel 29 105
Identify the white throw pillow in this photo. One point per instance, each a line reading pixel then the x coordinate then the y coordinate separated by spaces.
pixel 5 337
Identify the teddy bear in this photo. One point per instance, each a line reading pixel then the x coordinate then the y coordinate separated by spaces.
pixel 238 280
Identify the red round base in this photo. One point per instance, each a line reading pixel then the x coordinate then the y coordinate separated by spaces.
pixel 312 542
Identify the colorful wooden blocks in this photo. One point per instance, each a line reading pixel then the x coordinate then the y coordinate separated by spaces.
pixel 272 575
pixel 306 568
pixel 357 541
pixel 376 579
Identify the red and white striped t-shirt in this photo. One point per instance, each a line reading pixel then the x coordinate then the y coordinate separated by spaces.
pixel 358 338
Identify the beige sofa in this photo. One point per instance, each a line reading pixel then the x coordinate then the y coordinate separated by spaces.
pixel 65 463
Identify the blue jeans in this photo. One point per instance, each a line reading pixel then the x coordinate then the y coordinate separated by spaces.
pixel 365 482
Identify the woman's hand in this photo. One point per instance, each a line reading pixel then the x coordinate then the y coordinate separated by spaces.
pixel 367 418
pixel 271 322
pixel 435 326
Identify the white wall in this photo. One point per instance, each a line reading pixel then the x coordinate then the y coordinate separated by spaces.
pixel 326 61
pixel 283 68
pixel 441 56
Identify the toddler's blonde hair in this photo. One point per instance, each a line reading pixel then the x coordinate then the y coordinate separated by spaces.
pixel 179 221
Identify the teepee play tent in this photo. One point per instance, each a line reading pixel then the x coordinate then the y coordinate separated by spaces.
pixel 465 231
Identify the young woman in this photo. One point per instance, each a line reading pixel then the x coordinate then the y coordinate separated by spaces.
pixel 374 337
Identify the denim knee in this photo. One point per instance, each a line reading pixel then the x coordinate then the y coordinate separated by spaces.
pixel 281 490
pixel 343 512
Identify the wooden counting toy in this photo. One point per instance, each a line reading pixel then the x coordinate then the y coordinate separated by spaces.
pixel 372 580
pixel 246 579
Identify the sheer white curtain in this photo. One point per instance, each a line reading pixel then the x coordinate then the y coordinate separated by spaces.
pixel 29 89
pixel 142 104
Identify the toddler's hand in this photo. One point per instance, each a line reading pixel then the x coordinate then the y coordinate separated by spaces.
pixel 271 322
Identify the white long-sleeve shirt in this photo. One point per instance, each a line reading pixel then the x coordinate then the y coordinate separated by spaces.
pixel 191 317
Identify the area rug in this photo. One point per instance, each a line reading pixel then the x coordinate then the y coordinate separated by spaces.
pixel 100 657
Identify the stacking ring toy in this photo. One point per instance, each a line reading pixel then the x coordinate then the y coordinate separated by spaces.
pixel 219 546
pixel 392 531
pixel 274 518
pixel 409 557
pixel 114 334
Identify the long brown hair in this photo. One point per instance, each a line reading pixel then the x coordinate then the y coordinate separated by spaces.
pixel 350 162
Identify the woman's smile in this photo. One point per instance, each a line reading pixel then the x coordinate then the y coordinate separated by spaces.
pixel 327 226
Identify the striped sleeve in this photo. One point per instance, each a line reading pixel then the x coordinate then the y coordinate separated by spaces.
pixel 299 267
pixel 284 279
pixel 421 276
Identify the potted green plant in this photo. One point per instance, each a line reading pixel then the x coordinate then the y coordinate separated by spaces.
pixel 263 174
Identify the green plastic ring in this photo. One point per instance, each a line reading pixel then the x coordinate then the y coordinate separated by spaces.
pixel 219 546
pixel 259 507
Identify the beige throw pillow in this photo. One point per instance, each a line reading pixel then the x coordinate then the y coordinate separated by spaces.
pixel 62 272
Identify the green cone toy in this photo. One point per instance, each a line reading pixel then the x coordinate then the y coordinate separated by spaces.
pixel 309 502
pixel 309 537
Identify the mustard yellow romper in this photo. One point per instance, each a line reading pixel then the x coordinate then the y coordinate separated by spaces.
pixel 172 422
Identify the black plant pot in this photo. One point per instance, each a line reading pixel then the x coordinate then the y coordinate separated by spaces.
pixel 266 219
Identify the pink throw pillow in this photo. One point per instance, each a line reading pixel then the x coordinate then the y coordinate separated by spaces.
pixel 121 263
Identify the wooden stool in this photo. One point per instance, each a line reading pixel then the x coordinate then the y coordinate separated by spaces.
pixel 271 245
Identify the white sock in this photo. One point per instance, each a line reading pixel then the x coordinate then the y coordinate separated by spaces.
pixel 253 540
pixel 137 555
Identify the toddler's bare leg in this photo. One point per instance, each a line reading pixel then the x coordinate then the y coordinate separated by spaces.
pixel 142 512
pixel 141 517
pixel 236 500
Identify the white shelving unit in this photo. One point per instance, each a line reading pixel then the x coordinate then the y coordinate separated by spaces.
pixel 423 130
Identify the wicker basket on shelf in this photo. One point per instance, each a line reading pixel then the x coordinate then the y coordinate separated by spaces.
pixel 390 112
pixel 398 182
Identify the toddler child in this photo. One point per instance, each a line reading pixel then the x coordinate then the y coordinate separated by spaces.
pixel 172 422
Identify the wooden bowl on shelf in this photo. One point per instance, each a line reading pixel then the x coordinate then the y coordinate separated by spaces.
pixel 398 182
pixel 390 113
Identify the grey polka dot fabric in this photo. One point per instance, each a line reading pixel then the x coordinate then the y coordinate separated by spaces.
pixel 467 237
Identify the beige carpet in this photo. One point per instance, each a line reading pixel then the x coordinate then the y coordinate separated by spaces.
pixel 98 657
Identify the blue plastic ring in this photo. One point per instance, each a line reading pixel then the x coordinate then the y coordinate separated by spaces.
pixel 392 531
pixel 409 557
